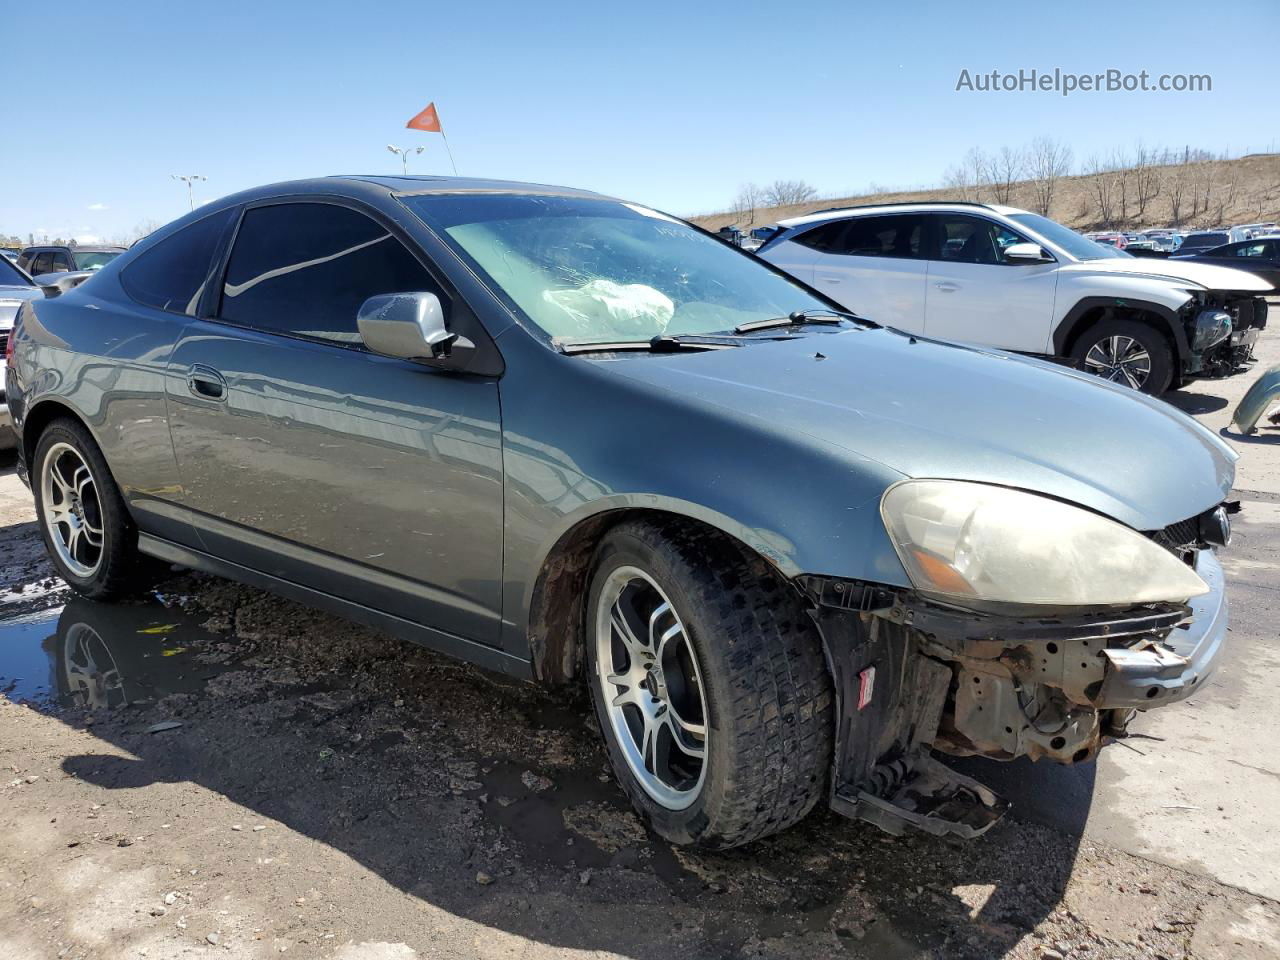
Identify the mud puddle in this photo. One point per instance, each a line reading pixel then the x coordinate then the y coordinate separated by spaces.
pixel 94 656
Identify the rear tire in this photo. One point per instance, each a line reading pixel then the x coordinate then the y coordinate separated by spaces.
pixel 1127 352
pixel 746 687
pixel 86 527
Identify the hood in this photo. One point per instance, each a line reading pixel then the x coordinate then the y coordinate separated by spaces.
pixel 1201 274
pixel 940 410
pixel 12 297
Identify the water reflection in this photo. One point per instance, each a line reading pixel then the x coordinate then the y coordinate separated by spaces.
pixel 93 656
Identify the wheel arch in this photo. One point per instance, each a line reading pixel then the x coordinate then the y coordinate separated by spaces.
pixel 1090 310
pixel 39 416
pixel 556 627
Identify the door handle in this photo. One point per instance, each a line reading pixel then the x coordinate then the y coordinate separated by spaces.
pixel 946 286
pixel 206 383
pixel 827 279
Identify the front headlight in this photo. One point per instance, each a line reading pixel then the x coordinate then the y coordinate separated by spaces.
pixel 978 542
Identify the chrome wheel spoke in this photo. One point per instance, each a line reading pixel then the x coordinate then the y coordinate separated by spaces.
pixel 689 738
pixel 61 483
pixel 73 543
pixel 660 611
pixel 627 696
pixel 649 741
pixel 81 479
pixel 635 648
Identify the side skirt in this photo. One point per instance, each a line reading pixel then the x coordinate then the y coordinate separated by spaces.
pixel 478 653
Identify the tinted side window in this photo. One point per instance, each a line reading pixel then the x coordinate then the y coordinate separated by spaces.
pixel 823 238
pixel 895 236
pixel 964 239
pixel 43 263
pixel 172 274
pixel 62 262
pixel 24 260
pixel 306 268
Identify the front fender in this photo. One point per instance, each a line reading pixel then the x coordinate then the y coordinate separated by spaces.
pixel 580 443
pixel 1166 310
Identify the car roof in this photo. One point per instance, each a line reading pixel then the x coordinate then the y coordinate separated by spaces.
pixel 925 206
pixel 374 185
pixel 78 248
pixel 372 188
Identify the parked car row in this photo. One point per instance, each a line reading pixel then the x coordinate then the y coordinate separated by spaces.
pixel 997 276
pixel 792 537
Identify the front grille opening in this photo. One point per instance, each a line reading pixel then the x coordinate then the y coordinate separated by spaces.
pixel 1182 539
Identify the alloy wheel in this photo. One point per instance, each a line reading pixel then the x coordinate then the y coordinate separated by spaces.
pixel 651 688
pixel 72 512
pixel 1120 359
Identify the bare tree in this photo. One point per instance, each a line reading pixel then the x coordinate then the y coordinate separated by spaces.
pixel 745 203
pixel 1121 174
pixel 1102 186
pixel 1267 192
pixel 1227 196
pixel 1047 162
pixel 786 193
pixel 1003 170
pixel 1147 176
pixel 1179 184
pixel 957 181
pixel 975 164
pixel 1202 186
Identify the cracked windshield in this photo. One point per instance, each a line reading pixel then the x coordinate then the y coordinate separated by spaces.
pixel 589 270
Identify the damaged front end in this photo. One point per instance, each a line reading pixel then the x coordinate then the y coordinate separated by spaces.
pixel 914 675
pixel 1222 329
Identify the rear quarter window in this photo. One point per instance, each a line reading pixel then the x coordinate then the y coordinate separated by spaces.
pixel 172 275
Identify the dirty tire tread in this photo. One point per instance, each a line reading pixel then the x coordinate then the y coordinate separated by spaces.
pixel 124 570
pixel 778 720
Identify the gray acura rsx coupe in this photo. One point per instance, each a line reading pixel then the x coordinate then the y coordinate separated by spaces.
pixel 792 552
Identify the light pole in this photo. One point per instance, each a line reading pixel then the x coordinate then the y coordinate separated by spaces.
pixel 404 155
pixel 187 179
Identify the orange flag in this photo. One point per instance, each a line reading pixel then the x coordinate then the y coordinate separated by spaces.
pixel 427 120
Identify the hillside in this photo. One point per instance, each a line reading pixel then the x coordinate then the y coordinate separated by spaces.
pixel 1220 192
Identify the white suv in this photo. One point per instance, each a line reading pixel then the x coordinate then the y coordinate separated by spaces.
pixel 1003 277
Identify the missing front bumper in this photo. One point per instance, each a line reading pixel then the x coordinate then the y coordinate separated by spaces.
pixel 971 684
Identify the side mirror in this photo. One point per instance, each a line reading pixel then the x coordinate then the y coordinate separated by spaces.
pixel 1026 253
pixel 411 326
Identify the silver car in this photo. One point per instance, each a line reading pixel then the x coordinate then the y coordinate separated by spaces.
pixel 16 288
pixel 793 553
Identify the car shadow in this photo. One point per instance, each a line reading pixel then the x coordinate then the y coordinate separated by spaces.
pixel 1263 433
pixel 1195 403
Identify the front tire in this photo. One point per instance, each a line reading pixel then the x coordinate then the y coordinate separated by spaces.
pixel 1127 352
pixel 709 684
pixel 86 528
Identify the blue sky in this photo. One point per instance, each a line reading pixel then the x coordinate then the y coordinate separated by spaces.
pixel 672 104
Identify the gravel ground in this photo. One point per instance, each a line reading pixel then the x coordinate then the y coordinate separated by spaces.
pixel 236 775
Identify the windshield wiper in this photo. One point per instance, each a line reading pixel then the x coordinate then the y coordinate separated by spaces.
pixel 799 317
pixel 662 343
